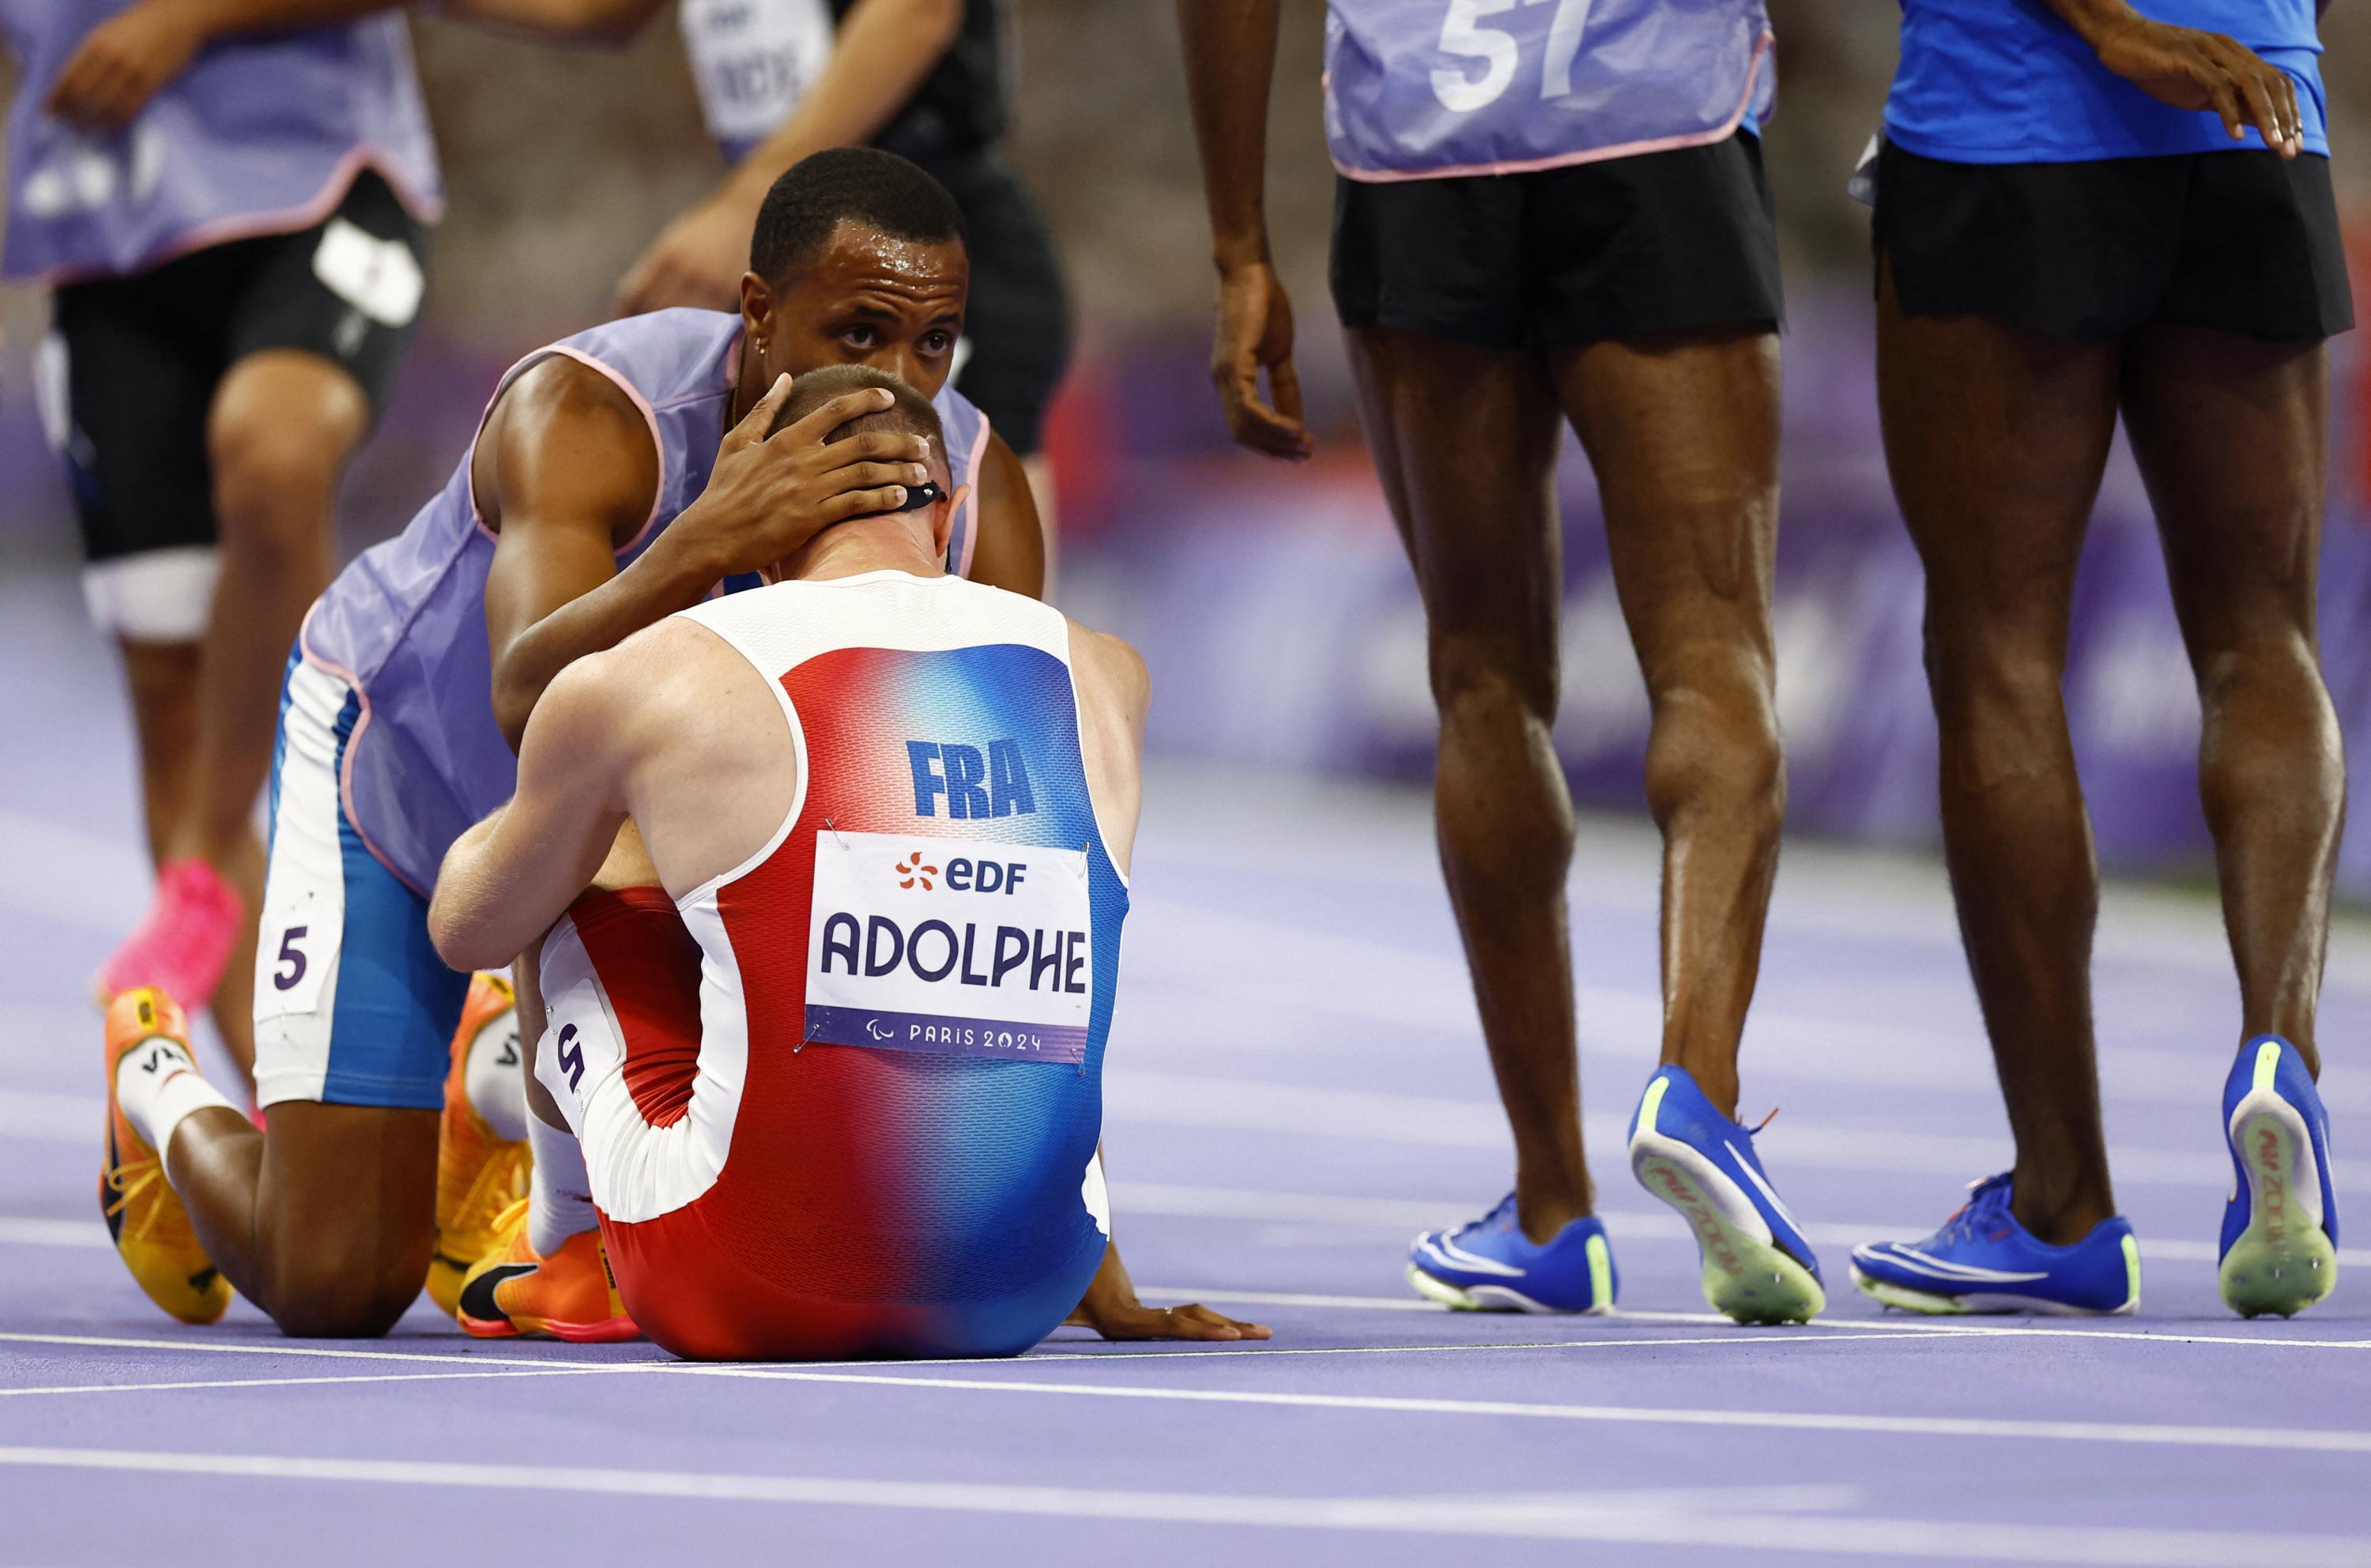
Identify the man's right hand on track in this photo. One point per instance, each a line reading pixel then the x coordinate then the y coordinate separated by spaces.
pixel 768 495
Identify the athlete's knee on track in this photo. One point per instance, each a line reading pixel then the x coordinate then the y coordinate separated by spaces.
pixel 343 1287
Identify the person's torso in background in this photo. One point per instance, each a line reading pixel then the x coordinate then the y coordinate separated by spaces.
pixel 754 59
pixel 258 136
pixel 406 621
pixel 2006 81
pixel 924 962
pixel 1437 87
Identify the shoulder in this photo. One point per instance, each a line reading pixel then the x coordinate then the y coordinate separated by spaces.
pixel 561 434
pixel 640 692
pixel 560 388
pixel 1112 668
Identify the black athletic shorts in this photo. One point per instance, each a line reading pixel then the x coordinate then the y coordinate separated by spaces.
pixel 143 355
pixel 1658 242
pixel 1018 323
pixel 2234 242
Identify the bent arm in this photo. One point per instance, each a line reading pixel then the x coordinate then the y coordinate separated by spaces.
pixel 508 878
pixel 882 52
pixel 566 472
pixel 1011 550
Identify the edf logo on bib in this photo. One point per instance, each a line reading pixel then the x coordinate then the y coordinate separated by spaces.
pixel 974 785
pixel 970 947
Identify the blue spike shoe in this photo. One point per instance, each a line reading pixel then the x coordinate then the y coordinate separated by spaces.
pixel 2280 1229
pixel 1758 1266
pixel 1983 1261
pixel 1490 1265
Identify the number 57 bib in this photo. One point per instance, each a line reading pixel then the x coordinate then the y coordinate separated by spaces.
pixel 1419 88
pixel 949 946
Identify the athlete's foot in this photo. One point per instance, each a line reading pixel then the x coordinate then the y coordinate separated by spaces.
pixel 514 1290
pixel 2280 1229
pixel 480 1174
pixel 183 941
pixel 150 1226
pixel 1758 1266
pixel 1490 1265
pixel 1983 1261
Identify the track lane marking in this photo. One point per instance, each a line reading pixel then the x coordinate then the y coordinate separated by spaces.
pixel 568 1371
pixel 2303 1440
pixel 1203 1351
pixel 1695 1518
pixel 1825 1327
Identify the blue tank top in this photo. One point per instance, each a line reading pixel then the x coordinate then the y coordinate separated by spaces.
pixel 405 623
pixel 259 135
pixel 2006 81
pixel 1429 88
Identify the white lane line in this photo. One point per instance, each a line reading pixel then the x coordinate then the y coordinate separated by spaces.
pixel 1624 1517
pixel 2300 1440
pixel 284 1347
pixel 549 1371
pixel 1861 1328
pixel 1171 1200
pixel 1260 1105
pixel 573 1368
pixel 1408 1215
pixel 26 1232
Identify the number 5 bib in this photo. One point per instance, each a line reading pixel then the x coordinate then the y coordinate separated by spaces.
pixel 1428 88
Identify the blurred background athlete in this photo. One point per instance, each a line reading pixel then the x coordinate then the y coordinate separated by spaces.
pixel 233 289
pixel 1556 214
pixel 930 80
pixel 2082 213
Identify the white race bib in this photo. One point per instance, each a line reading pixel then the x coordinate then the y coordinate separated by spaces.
pixel 754 61
pixel 950 946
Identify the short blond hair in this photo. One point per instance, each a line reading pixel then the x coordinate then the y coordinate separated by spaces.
pixel 911 412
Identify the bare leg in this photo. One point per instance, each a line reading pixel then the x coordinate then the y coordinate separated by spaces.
pixel 163 680
pixel 283 423
pixel 326 1223
pixel 1682 431
pixel 1464 441
pixel 2230 436
pixel 1996 438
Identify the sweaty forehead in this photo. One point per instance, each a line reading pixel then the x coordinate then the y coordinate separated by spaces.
pixel 859 259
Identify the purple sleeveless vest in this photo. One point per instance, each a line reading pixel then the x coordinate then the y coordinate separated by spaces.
pixel 259 135
pixel 1422 89
pixel 405 623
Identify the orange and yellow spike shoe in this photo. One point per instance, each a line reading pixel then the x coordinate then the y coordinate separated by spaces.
pixel 570 1295
pixel 144 1216
pixel 479 1175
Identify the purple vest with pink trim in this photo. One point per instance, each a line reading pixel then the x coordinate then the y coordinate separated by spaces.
pixel 1428 88
pixel 259 135
pixel 406 622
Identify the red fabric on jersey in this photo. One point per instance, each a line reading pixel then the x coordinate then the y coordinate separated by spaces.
pixel 650 967
pixel 698 1281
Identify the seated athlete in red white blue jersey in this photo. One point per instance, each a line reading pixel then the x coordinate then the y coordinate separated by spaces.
pixel 838 1075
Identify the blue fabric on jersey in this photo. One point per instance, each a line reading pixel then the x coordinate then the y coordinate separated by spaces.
pixel 2006 81
pixel 396 1005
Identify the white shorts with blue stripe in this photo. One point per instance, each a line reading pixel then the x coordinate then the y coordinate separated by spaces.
pixel 353 1006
